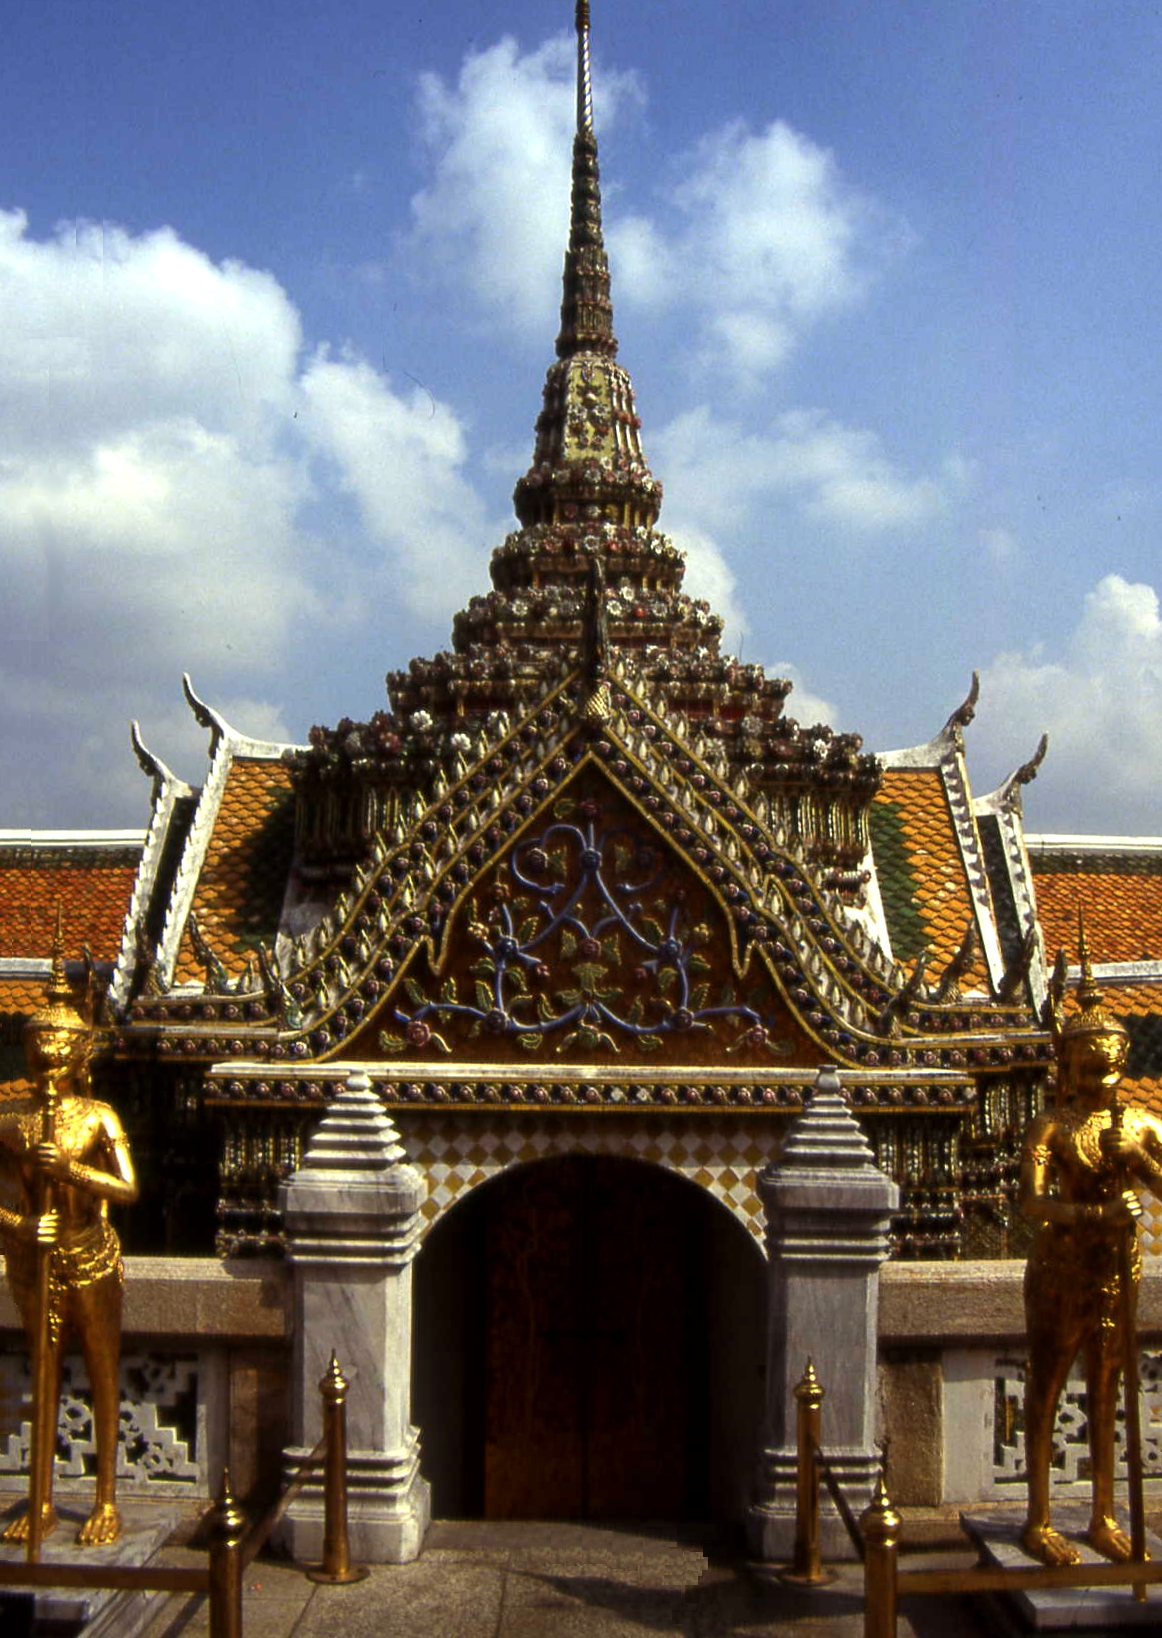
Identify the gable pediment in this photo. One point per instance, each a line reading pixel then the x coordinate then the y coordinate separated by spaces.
pixel 792 977
pixel 590 937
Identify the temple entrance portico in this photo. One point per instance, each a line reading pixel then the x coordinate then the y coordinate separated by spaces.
pixel 589 1345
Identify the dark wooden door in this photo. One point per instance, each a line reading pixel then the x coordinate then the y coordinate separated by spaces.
pixel 594 1355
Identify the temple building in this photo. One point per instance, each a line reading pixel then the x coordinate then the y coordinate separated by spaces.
pixel 590 908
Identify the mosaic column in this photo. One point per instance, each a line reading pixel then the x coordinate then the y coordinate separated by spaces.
pixel 353 1222
pixel 828 1208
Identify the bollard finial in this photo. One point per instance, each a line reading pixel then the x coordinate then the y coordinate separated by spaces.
pixel 333 1385
pixel 227 1519
pixel 809 1390
pixel 880 1523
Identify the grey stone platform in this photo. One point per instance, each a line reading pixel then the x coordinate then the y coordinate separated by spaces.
pixel 90 1612
pixel 557 1580
pixel 1070 1609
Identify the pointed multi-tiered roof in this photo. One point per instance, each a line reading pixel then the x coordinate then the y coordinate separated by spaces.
pixel 586 576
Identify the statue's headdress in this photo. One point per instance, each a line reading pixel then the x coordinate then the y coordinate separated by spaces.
pixel 58 1013
pixel 1091 1017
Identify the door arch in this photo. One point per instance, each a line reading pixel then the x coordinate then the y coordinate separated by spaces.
pixel 590 1335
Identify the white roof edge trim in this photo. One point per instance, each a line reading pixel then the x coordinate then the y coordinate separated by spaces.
pixel 1048 842
pixel 72 838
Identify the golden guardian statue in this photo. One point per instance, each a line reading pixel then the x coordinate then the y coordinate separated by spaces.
pixel 67 1156
pixel 1082 1161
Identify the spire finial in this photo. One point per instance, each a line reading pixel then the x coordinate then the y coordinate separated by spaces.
pixel 588 466
pixel 586 310
pixel 1087 991
pixel 584 79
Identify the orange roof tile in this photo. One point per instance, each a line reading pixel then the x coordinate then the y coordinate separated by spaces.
pixel 922 879
pixel 1139 1006
pixel 93 884
pixel 19 999
pixel 243 877
pixel 1121 900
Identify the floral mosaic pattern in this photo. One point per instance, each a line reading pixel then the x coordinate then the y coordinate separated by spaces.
pixel 590 944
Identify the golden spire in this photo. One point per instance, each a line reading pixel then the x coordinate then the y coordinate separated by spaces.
pixel 584 79
pixel 588 467
pixel 586 309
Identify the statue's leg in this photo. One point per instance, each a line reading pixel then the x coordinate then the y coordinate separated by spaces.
pixel 18 1529
pixel 1049 1362
pixel 98 1313
pixel 1103 1369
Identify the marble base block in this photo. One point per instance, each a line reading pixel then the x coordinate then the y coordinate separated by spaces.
pixel 97 1612
pixel 386 1524
pixel 997 1536
pixel 770 1523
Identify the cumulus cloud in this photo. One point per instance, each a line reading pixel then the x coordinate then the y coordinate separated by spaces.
pixel 761 237
pixel 718 473
pixel 400 456
pixel 495 214
pixel 171 473
pixel 1100 699
pixel 768 238
pixel 710 576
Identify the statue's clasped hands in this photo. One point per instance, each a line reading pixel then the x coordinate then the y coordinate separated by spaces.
pixel 45 1230
pixel 49 1159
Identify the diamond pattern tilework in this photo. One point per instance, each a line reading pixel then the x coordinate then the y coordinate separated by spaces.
pixel 1150 1226
pixel 1122 909
pixel 457 1154
pixel 239 893
pixel 93 886
pixel 920 869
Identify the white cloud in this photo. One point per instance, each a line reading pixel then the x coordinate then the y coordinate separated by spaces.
pixel 170 474
pixel 761 238
pixel 1100 700
pixel 495 215
pixel 400 457
pixel 718 474
pixel 806 707
pixel 770 238
pixel 710 576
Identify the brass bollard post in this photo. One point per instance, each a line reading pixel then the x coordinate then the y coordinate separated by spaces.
pixel 336 1567
pixel 880 1525
pixel 228 1527
pixel 806 1566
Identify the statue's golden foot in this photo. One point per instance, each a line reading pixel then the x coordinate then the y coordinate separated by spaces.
pixel 18 1529
pixel 1105 1536
pixel 102 1526
pixel 1049 1546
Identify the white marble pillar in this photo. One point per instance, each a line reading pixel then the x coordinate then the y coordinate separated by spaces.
pixel 828 1209
pixel 352 1220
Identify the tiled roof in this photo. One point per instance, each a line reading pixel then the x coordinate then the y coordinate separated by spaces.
pixel 93 884
pixel 922 878
pixel 1139 1006
pixel 1120 896
pixel 19 999
pixel 243 877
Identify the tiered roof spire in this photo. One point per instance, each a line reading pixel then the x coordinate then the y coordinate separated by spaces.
pixel 588 466
pixel 586 308
pixel 586 583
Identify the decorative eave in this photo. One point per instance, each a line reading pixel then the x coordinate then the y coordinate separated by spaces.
pixel 945 755
pixel 582 1089
pixel 1002 811
pixel 168 794
pixel 226 744
pixel 855 1004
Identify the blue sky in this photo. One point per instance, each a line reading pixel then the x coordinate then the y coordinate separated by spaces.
pixel 278 287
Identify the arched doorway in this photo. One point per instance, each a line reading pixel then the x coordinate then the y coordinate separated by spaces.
pixel 589 1344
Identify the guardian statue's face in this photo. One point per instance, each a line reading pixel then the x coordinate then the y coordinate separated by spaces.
pixel 1092 1062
